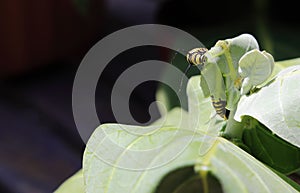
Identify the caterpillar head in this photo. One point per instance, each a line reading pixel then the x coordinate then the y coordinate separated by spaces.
pixel 197 56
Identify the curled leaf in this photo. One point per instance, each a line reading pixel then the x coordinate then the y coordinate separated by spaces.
pixel 277 105
pixel 255 67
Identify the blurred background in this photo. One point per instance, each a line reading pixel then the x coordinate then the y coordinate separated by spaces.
pixel 43 42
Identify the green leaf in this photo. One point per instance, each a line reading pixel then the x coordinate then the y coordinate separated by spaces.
pixel 177 117
pixel 132 162
pixel 236 170
pixel 114 167
pixel 167 98
pixel 293 183
pixel 226 54
pixel 168 139
pixel 200 108
pixel 255 67
pixel 277 105
pixel 74 184
pixel 120 175
pixel 279 66
pixel 269 148
pixel 240 172
pixel 202 115
pixel 240 45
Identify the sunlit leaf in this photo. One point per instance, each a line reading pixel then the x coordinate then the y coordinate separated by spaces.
pixel 279 66
pixel 143 160
pixel 277 105
pixel 236 170
pixel 269 148
pixel 110 177
pixel 255 67
pixel 202 115
pixel 74 184
pixel 239 172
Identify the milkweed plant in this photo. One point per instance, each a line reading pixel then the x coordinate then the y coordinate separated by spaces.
pixel 241 132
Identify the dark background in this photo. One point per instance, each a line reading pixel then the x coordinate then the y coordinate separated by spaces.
pixel 42 44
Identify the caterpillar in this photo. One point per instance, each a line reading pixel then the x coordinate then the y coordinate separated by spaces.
pixel 197 57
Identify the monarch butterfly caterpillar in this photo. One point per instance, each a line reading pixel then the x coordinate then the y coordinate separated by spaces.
pixel 219 106
pixel 196 56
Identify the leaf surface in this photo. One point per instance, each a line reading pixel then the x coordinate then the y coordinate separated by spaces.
pixel 277 105
pixel 73 184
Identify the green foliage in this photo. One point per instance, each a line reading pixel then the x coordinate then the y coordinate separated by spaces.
pixel 74 184
pixel 269 148
pixel 255 67
pixel 194 150
pixel 115 177
pixel 220 71
pixel 277 105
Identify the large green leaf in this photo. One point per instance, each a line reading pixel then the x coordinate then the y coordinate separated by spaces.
pixel 202 115
pixel 200 108
pixel 135 168
pixel 182 144
pixel 73 185
pixel 109 168
pixel 118 177
pixel 277 105
pixel 236 170
pixel 239 172
pixel 270 149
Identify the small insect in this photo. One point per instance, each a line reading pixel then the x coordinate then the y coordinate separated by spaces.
pixel 219 106
pixel 197 57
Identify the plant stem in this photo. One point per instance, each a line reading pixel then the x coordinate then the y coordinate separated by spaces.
pixel 233 128
pixel 203 174
pixel 232 70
